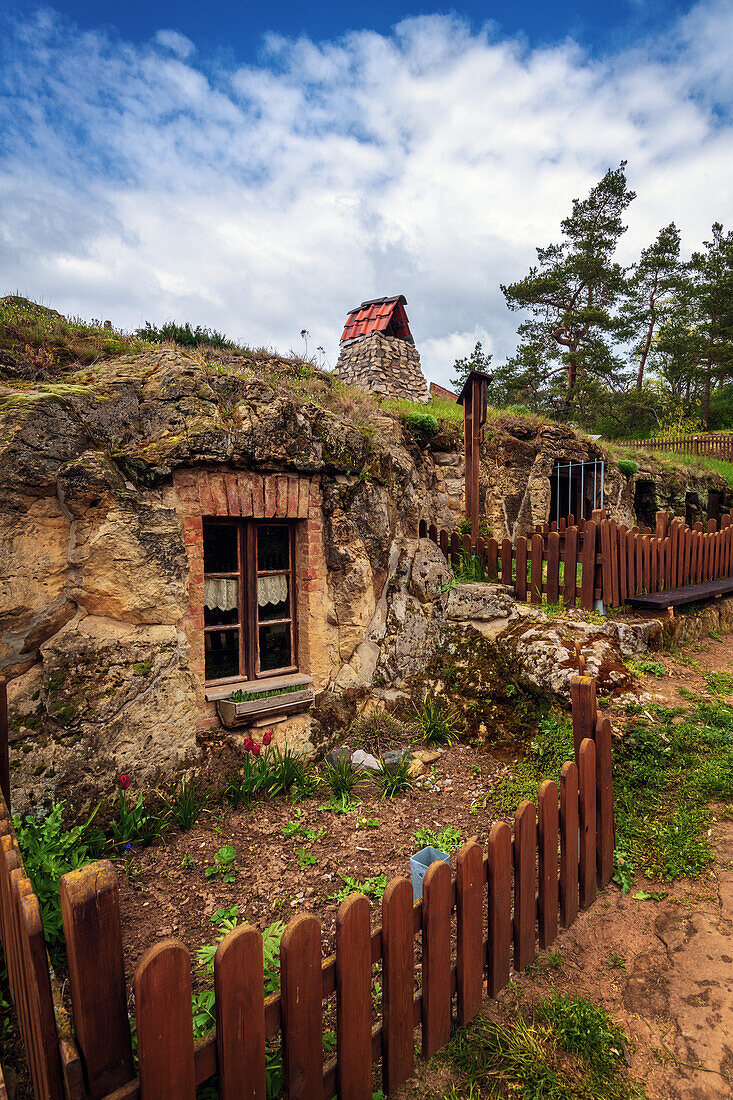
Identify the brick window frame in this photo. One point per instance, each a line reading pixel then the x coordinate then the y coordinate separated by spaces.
pixel 204 492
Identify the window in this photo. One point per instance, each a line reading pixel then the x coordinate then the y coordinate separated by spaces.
pixel 248 599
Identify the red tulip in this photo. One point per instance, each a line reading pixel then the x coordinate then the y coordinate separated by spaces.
pixel 256 749
pixel 248 744
pixel 124 781
pixel 266 738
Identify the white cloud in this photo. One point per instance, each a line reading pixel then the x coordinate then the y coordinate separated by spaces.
pixel 175 42
pixel 138 184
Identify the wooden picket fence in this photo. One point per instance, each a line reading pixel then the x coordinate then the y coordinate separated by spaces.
pixel 599 559
pixel 716 446
pixel 502 904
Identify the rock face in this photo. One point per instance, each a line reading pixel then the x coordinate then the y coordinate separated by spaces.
pixel 384 365
pixel 518 463
pixel 106 480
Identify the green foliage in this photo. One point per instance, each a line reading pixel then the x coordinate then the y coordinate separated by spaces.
pixel 224 865
pixel 560 1048
pixel 551 748
pixel 665 770
pixel 469 569
pixel 272 773
pixel 628 467
pixel 48 852
pixel 373 887
pixel 183 335
pixel 645 666
pixel 436 722
pixel 343 779
pixel 445 840
pixel 137 824
pixel 721 683
pixel 395 781
pixel 240 696
pixel 186 804
pixel 422 425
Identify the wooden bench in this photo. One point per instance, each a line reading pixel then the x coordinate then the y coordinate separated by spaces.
pixel 680 597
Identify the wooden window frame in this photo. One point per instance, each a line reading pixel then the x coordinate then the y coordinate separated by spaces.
pixel 248 608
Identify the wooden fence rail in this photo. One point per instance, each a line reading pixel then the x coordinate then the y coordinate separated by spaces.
pixel 716 446
pixel 503 904
pixel 599 560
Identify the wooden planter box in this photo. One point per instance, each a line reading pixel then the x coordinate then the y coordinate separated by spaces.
pixel 274 706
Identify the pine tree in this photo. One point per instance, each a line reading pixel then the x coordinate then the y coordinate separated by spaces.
pixel 656 283
pixel 712 274
pixel 571 291
pixel 478 360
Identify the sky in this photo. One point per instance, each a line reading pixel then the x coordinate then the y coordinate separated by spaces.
pixel 262 172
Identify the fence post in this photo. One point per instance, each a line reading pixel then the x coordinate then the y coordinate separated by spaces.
pixel 470 930
pixel 4 744
pixel 164 1026
pixel 302 1009
pixel 499 905
pixel 436 943
pixel 398 1052
pixel 587 807
pixel 547 862
pixel 240 1015
pixel 584 708
pixel 525 905
pixel 604 802
pixel 353 999
pixel 91 915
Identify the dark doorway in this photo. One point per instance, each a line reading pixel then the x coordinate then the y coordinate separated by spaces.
pixel 645 503
pixel 693 509
pixel 576 488
pixel 714 505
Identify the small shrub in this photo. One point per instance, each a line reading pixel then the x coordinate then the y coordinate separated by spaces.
pixel 186 804
pixel 342 779
pixel 49 851
pixel 436 722
pixel 397 781
pixel 628 467
pixel 421 424
pixel 377 733
pixel 224 865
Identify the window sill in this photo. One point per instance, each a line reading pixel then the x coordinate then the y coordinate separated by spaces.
pixel 272 706
pixel 266 683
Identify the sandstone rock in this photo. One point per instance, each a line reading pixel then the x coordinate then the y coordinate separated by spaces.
pixel 544 651
pixel 480 603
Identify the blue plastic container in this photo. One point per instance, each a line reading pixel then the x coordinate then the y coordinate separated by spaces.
pixel 419 864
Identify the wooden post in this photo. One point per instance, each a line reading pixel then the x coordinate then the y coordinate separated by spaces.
pixel 353 999
pixel 436 972
pixel 4 744
pixel 470 930
pixel 240 1015
pixel 91 915
pixel 164 1028
pixel 525 903
pixel 473 398
pixel 302 1009
pixel 499 906
pixel 585 709
pixel 397 968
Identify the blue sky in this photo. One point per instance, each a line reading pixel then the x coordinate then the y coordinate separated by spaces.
pixel 263 171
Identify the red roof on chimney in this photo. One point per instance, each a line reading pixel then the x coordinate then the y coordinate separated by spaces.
pixel 385 315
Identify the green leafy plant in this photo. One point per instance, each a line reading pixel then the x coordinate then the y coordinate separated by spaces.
pixel 435 722
pixel 445 840
pixel 343 779
pixel 627 467
pixel 624 871
pixel 469 568
pixel 240 696
pixel 305 858
pixel 137 824
pixel 395 781
pixel 50 851
pixel 421 424
pixel 646 666
pixel 186 804
pixel 224 864
pixel 721 683
pixel 373 887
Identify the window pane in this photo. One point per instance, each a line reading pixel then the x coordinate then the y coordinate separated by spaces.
pixel 220 548
pixel 221 601
pixel 273 597
pixel 275 647
pixel 222 654
pixel 273 548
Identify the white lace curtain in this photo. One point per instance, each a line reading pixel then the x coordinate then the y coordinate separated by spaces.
pixel 272 590
pixel 220 593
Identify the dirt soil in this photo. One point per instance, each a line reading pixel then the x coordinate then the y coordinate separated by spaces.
pixel 674 997
pixel 662 969
pixel 161 894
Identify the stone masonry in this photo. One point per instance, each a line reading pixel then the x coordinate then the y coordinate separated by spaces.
pixel 384 365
